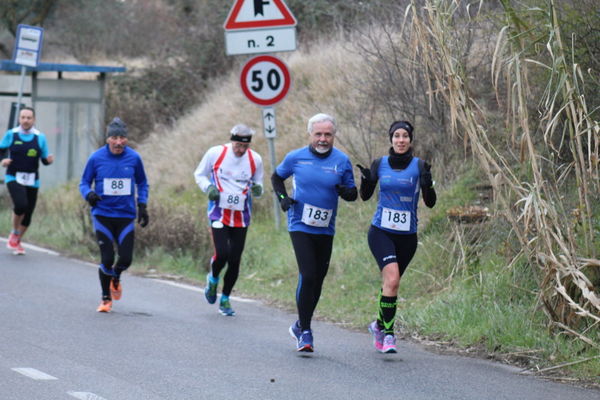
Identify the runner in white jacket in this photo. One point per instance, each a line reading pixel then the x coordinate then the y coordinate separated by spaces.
pixel 231 174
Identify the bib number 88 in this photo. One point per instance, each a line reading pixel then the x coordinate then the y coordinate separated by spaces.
pixel 232 201
pixel 117 184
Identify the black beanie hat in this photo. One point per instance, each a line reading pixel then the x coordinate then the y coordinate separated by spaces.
pixel 116 128
pixel 401 125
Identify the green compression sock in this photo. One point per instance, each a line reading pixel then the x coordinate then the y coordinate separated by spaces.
pixel 387 312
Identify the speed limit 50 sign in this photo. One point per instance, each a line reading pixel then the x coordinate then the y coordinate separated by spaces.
pixel 265 80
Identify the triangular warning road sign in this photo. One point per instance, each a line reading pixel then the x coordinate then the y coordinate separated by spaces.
pixel 256 14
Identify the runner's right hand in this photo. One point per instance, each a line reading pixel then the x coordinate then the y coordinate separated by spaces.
pixel 213 193
pixel 92 198
pixel 286 203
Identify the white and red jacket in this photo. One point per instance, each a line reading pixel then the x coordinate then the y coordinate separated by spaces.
pixel 233 176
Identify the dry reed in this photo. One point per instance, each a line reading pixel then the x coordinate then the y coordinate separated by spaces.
pixel 528 192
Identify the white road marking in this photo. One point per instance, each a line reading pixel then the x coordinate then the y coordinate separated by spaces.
pixel 200 290
pixel 85 396
pixel 34 374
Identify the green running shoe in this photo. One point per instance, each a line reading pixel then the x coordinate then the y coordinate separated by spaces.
pixel 225 308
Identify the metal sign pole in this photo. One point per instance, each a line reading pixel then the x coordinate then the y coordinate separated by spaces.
pixel 269 127
pixel 16 120
pixel 273 166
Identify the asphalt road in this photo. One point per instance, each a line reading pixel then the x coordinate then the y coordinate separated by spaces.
pixel 163 341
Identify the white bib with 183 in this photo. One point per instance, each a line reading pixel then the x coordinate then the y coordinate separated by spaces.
pixel 395 219
pixel 232 201
pixel 316 216
pixel 117 186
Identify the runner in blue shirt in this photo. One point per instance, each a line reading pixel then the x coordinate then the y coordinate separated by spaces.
pixel 393 233
pixel 320 173
pixel 25 146
pixel 116 173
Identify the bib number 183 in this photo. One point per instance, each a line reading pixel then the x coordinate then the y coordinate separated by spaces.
pixel 316 216
pixel 395 219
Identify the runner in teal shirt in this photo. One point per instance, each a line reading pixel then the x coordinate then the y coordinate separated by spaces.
pixel 21 150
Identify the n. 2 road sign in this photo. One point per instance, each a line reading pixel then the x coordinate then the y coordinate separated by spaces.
pixel 259 26
pixel 265 80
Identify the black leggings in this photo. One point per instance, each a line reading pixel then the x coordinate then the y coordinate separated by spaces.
pixel 388 247
pixel 110 231
pixel 313 253
pixel 24 199
pixel 229 245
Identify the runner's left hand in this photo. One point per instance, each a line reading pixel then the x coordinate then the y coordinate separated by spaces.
pixel 425 179
pixel 143 217
pixel 256 189
pixel 342 190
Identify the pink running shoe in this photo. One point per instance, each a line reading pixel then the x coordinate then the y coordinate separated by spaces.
pixel 19 250
pixel 105 306
pixel 389 344
pixel 378 335
pixel 13 241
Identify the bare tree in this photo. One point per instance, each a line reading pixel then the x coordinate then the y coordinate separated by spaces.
pixel 30 12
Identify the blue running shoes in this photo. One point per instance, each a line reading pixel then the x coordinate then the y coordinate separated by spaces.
pixel 304 339
pixel 210 291
pixel 295 330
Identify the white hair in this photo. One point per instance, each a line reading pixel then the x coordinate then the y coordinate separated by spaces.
pixel 242 130
pixel 321 118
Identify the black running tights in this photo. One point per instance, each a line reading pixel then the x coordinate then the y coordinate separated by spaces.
pixel 229 244
pixel 24 199
pixel 108 232
pixel 313 253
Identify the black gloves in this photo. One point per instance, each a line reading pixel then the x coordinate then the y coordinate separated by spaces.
pixel 346 193
pixel 143 217
pixel 425 179
pixel 286 202
pixel 368 179
pixel 365 173
pixel 92 198
pixel 213 193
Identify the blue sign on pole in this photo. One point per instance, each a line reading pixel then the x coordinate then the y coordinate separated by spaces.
pixel 28 45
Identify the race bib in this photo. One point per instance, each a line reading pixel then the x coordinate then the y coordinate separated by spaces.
pixel 25 178
pixel 117 186
pixel 316 216
pixel 232 201
pixel 395 219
